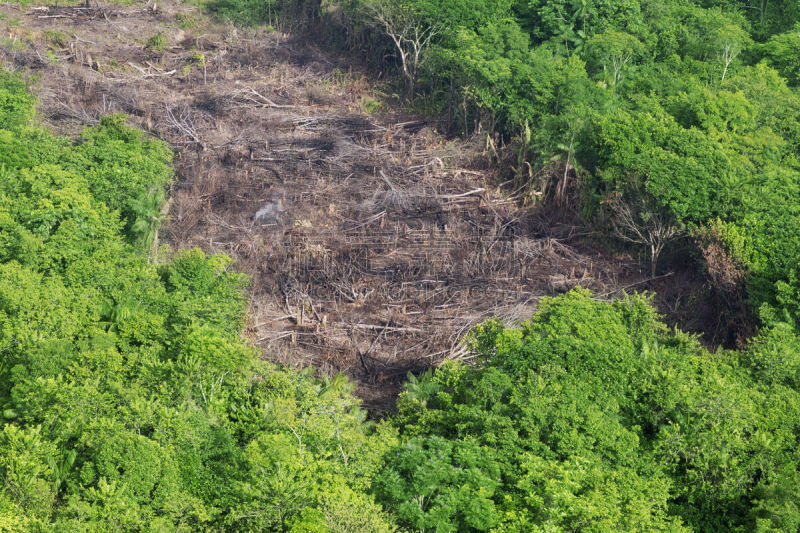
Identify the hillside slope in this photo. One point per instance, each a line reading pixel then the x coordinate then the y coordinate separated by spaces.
pixel 374 243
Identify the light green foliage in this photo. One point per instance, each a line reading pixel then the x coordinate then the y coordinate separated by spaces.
pixel 129 399
pixel 467 14
pixel 123 166
pixel 187 21
pixel 16 103
pixel 371 105
pixel 56 38
pixel 24 458
pixel 157 42
pixel 612 53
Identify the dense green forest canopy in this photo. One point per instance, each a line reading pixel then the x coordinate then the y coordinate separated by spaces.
pixel 131 401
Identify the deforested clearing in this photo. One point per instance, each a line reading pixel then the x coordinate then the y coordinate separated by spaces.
pixel 374 242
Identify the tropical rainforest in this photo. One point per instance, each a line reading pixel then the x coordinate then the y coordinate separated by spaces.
pixel 132 401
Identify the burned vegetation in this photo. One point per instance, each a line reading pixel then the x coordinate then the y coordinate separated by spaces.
pixel 374 243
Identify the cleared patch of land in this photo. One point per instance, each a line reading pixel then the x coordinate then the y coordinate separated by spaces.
pixel 373 242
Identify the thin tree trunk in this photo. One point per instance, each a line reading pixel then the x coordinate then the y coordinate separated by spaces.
pixel 655 251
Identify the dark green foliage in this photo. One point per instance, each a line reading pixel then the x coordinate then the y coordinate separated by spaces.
pixel 252 12
pixel 571 23
pixel 597 417
pixel 439 484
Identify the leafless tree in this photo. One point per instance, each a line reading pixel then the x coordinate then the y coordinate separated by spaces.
pixel 727 54
pixel 408 29
pixel 638 221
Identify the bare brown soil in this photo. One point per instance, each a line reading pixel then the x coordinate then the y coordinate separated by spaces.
pixel 379 244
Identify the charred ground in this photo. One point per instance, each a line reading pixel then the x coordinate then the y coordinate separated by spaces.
pixel 379 243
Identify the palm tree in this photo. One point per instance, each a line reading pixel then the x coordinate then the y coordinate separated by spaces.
pixel 150 213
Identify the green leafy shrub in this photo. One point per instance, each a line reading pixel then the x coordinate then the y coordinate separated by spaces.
pixel 56 38
pixel 246 12
pixel 16 103
pixel 157 42
pixel 125 169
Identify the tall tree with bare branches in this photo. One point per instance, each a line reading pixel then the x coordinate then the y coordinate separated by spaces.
pixel 637 220
pixel 409 30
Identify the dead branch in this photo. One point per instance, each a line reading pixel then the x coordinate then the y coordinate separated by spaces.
pixel 184 124
pixel 638 222
pixel 248 93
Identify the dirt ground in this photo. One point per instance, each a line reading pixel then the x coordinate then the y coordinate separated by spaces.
pixel 374 243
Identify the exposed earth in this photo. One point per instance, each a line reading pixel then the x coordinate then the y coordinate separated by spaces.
pixel 374 243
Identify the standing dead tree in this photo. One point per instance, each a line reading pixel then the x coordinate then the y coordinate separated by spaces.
pixel 408 30
pixel 637 221
pixel 727 54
